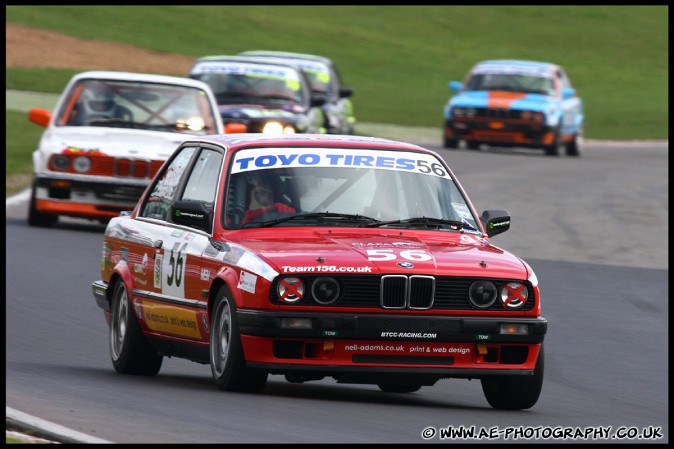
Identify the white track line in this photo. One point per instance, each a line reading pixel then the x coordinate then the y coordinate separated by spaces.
pixel 49 429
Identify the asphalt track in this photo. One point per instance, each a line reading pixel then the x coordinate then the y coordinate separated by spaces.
pixel 594 228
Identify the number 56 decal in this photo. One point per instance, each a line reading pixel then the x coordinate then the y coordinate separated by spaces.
pixel 173 269
pixel 388 254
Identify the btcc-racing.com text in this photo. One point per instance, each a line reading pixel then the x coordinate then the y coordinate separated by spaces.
pixel 408 335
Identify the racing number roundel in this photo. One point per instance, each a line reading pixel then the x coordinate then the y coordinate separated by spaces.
pixel 173 269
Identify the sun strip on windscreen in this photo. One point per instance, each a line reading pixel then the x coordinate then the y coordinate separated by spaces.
pixel 404 161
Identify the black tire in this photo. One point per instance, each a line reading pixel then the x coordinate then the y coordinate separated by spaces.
pixel 36 218
pixel 515 392
pixel 399 388
pixel 130 351
pixel 452 144
pixel 574 148
pixel 472 145
pixel 228 364
pixel 554 147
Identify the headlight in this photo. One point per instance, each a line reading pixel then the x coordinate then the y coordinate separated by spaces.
pixel 290 289
pixel 538 116
pixel 552 117
pixel 459 112
pixel 82 164
pixel 60 162
pixel 470 112
pixel 482 294
pixel 272 128
pixel 514 295
pixel 277 128
pixel 325 290
pixel 195 123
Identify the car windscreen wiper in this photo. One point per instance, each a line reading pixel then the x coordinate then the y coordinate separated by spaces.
pixel 114 123
pixel 425 221
pixel 317 216
pixel 280 97
pixel 504 88
pixel 539 91
pixel 225 97
pixel 169 126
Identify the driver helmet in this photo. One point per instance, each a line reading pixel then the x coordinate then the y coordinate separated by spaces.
pixel 98 100
pixel 260 191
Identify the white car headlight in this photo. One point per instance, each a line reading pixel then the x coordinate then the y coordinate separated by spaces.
pixel 60 162
pixel 82 164
pixel 195 123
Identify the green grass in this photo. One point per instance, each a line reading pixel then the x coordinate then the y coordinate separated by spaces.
pixel 22 139
pixel 398 59
pixel 21 146
pixel 39 80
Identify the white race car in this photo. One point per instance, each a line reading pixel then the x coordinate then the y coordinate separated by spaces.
pixel 108 135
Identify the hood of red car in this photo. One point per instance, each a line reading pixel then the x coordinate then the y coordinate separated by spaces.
pixel 379 251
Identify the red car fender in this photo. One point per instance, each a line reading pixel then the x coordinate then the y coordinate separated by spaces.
pixel 531 277
pixel 123 271
pixel 230 277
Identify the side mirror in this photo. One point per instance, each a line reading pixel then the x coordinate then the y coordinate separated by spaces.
pixel 455 86
pixel 39 116
pixel 495 221
pixel 568 92
pixel 192 213
pixel 345 92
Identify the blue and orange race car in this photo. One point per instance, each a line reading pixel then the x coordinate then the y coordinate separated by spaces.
pixel 512 103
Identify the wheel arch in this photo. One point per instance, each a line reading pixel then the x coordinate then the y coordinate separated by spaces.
pixel 121 273
pixel 228 278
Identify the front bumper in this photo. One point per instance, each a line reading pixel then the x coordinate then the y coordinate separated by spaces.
pixel 499 131
pixel 81 197
pixel 99 289
pixel 335 344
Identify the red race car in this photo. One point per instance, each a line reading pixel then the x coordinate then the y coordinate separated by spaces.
pixel 312 256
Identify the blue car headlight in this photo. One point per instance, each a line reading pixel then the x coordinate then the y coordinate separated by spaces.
pixel 553 117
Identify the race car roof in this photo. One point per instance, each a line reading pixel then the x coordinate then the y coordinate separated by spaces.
pixel 141 77
pixel 250 139
pixel 287 54
pixel 514 66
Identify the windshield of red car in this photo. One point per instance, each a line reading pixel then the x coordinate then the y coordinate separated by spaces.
pixel 382 185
